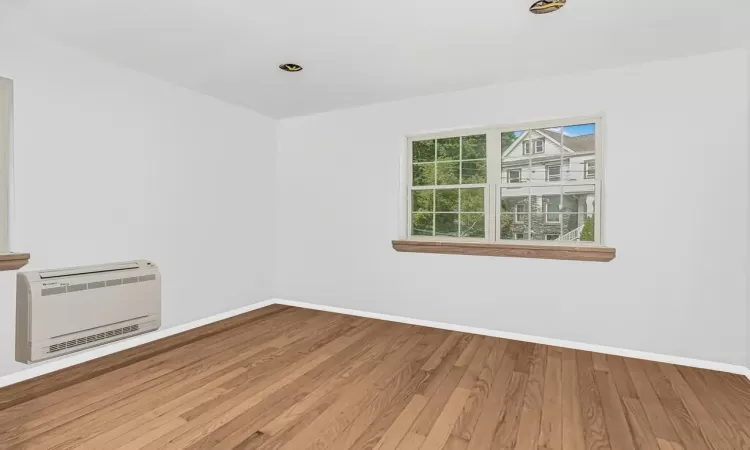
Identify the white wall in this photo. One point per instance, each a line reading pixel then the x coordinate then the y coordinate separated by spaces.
pixel 113 165
pixel 678 284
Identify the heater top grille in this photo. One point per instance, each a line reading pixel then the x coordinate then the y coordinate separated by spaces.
pixel 96 285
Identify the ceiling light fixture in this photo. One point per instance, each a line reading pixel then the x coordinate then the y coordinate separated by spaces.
pixel 546 6
pixel 290 67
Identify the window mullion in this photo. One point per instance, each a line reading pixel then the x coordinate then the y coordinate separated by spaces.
pixel 563 178
pixel 460 179
pixel 434 189
pixel 494 158
pixel 560 209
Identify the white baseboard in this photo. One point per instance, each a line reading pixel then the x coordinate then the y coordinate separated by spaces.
pixel 97 352
pixel 63 362
pixel 721 367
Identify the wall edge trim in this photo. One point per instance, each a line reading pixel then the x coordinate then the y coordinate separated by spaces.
pixel 637 354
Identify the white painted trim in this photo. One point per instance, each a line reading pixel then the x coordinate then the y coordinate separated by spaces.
pixel 722 367
pixel 98 352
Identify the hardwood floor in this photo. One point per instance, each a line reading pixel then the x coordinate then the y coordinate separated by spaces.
pixel 296 379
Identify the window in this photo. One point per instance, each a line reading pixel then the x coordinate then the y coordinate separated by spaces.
pixel 552 210
pixel 520 213
pixel 538 145
pixel 590 169
pixel 448 189
pixel 488 185
pixel 553 172
pixel 551 237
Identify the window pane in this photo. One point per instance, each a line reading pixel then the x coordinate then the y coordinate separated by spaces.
pixel 472 200
pixel 423 174
pixel 553 172
pixel 535 212
pixel 422 200
pixel 472 225
pixel 421 224
pixel 423 151
pixel 449 149
pixel 446 200
pixel 514 208
pixel 473 172
pixel 446 224
pixel 545 212
pixel 578 213
pixel 515 160
pixel 447 173
pixel 565 148
pixel 551 208
pixel 474 147
pixel 540 228
pixel 580 146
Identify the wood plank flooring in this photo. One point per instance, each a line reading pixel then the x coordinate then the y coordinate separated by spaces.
pixel 286 378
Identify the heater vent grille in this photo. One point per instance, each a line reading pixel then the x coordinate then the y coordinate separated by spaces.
pixel 92 338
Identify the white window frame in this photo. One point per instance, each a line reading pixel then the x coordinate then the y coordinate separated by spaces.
pixel 536 147
pixel 523 236
pixel 516 213
pixel 586 169
pixel 495 182
pixel 6 146
pixel 545 211
pixel 547 239
pixel 520 174
pixel 547 174
pixel 527 146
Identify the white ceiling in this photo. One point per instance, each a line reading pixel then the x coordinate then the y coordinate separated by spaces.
pixel 359 52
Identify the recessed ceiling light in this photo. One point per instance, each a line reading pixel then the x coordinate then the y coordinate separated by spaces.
pixel 546 6
pixel 290 67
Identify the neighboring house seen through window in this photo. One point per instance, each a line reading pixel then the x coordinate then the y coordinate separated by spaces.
pixel 530 182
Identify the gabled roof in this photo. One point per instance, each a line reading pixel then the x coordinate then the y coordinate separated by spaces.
pixel 576 144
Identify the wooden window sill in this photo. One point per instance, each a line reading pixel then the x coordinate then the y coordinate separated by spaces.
pixel 13 261
pixel 563 252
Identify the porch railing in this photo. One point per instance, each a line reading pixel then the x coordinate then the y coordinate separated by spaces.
pixel 574 235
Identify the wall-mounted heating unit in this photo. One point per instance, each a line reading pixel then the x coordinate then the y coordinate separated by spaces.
pixel 66 310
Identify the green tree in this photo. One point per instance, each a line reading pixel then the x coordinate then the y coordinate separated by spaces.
pixel 507 140
pixel 587 234
pixel 506 222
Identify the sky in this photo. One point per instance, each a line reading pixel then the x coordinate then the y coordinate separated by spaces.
pixel 574 130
